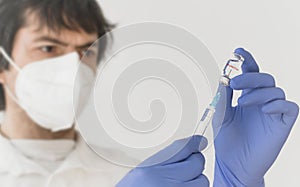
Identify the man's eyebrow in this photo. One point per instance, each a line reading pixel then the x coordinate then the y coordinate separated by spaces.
pixel 49 39
pixel 56 41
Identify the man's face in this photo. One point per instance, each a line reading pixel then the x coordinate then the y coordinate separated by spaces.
pixel 32 44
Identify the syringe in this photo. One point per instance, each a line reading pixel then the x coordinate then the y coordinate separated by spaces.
pixel 232 68
pixel 209 111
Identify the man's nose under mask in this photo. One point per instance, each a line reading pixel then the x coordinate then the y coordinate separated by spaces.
pixel 52 90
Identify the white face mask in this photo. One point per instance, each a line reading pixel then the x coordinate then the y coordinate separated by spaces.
pixel 46 89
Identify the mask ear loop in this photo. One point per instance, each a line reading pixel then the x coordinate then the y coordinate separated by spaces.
pixel 11 62
pixel 9 59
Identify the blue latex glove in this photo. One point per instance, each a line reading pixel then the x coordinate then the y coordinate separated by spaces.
pixel 252 133
pixel 183 169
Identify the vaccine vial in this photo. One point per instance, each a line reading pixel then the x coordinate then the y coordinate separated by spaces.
pixel 232 69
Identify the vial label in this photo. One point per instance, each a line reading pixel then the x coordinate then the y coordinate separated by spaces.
pixel 232 69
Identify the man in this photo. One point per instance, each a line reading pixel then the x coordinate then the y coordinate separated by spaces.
pixel 36 150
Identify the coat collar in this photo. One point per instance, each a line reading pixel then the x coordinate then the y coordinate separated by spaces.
pixel 82 157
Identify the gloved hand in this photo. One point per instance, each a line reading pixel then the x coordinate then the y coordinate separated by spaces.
pixel 183 169
pixel 252 133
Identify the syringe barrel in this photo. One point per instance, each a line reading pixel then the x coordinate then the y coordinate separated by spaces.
pixel 208 114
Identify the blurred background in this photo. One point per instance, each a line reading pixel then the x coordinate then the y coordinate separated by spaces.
pixel 269 29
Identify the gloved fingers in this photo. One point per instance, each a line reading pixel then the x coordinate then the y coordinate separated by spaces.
pixel 249 64
pixel 183 148
pixel 290 110
pixel 185 170
pixel 261 96
pixel 252 81
pixel 201 181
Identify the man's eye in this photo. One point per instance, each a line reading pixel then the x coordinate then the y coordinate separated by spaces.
pixel 47 49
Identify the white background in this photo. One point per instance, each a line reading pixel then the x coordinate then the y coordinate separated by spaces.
pixel 269 29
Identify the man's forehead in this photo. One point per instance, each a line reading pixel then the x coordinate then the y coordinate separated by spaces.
pixel 36 29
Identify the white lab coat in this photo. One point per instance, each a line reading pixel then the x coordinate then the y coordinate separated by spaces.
pixel 81 168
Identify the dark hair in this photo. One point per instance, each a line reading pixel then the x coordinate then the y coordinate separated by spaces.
pixel 85 15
